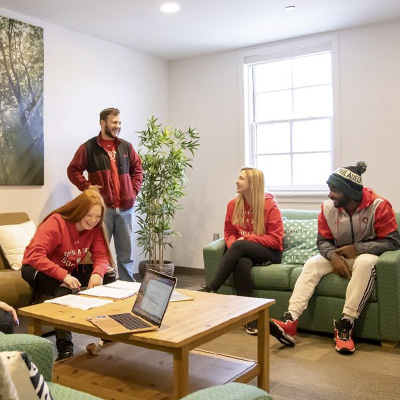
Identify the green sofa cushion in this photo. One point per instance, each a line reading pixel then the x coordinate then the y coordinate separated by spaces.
pixel 230 391
pixel 275 276
pixel 299 243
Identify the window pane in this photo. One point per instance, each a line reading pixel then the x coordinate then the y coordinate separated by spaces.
pixel 270 165
pixel 273 138
pixel 312 70
pixel 274 106
pixel 312 135
pixel 311 169
pixel 313 102
pixel 275 75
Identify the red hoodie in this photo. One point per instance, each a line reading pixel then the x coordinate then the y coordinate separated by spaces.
pixel 273 237
pixel 57 248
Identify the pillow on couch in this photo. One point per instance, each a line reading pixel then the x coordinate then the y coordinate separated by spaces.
pixel 13 241
pixel 299 243
pixel 28 381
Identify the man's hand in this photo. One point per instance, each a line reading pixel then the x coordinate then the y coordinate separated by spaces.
pixel 339 266
pixel 71 282
pixel 95 187
pixel 348 251
pixel 95 280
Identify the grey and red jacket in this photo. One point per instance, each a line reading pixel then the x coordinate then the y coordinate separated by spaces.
pixel 92 157
pixel 371 229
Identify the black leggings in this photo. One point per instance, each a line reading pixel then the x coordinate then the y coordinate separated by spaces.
pixel 44 284
pixel 239 260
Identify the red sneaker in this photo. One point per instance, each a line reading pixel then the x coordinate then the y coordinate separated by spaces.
pixel 342 335
pixel 284 329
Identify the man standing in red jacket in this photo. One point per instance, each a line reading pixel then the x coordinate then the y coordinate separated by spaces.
pixel 115 170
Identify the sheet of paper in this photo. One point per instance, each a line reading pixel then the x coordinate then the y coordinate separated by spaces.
pixel 81 302
pixel 114 290
pixel 179 296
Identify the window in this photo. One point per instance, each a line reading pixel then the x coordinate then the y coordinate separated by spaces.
pixel 290 118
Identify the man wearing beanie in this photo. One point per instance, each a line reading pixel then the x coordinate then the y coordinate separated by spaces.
pixel 355 227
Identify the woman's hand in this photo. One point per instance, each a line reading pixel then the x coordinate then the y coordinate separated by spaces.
pixel 71 282
pixel 8 308
pixel 95 280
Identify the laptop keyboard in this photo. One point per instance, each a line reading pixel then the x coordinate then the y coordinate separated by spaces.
pixel 129 321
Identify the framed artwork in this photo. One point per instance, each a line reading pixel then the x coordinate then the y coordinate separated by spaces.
pixel 21 103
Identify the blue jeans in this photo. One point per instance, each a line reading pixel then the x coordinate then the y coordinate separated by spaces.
pixel 119 224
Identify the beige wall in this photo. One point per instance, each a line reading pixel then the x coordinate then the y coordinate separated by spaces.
pixel 205 91
pixel 83 75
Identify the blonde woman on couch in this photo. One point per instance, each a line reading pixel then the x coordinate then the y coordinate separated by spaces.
pixel 52 262
pixel 253 235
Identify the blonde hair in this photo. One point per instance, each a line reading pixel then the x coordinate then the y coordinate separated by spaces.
pixel 76 209
pixel 257 201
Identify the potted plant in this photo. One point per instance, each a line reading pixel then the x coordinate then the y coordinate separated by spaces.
pixel 166 153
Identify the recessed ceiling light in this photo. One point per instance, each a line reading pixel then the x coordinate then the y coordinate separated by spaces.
pixel 290 8
pixel 169 7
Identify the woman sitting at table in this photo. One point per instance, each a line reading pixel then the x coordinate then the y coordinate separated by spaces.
pixel 52 263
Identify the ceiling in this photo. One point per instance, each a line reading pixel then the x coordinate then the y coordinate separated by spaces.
pixel 203 26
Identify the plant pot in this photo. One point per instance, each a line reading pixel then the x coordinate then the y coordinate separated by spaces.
pixel 167 268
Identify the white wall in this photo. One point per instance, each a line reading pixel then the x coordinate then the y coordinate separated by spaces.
pixel 205 92
pixel 84 75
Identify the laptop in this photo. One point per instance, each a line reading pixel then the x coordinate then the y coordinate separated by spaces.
pixel 148 309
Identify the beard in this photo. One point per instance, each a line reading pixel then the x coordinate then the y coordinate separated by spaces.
pixel 108 132
pixel 343 201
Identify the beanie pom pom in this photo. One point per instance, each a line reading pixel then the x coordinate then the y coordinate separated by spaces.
pixel 361 167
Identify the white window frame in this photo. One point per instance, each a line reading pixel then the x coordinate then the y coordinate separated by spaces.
pixel 274 51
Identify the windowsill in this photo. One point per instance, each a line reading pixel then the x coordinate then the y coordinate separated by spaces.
pixel 310 197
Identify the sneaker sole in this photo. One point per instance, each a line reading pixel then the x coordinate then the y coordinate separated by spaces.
pixel 277 332
pixel 343 350
pixel 252 332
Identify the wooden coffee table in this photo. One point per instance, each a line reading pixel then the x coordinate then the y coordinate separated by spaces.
pixel 186 325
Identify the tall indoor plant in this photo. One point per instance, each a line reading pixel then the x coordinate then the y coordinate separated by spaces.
pixel 166 154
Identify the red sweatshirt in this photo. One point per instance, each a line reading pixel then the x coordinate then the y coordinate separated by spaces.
pixel 57 248
pixel 273 237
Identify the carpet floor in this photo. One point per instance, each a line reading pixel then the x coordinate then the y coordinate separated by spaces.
pixel 312 370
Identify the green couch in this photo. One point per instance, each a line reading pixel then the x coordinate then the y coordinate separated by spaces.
pixel 40 352
pixel 380 319
pixel 229 391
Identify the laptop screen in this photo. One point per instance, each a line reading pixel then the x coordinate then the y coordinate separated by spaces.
pixel 153 297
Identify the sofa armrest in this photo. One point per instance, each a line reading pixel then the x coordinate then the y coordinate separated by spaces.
pixel 39 350
pixel 212 255
pixel 388 294
pixel 230 391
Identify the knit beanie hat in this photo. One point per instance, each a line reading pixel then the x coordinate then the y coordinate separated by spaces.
pixel 348 180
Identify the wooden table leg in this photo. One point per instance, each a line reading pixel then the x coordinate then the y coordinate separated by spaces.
pixel 181 373
pixel 263 349
pixel 34 327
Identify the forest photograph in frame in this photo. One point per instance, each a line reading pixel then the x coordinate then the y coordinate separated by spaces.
pixel 21 103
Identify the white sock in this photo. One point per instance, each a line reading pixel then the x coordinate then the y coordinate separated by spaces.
pixel 295 315
pixel 349 317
